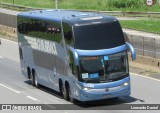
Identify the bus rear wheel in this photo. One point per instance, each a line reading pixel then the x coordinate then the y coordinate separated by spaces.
pixel 65 92
pixel 36 81
pixel 32 80
pixel 72 100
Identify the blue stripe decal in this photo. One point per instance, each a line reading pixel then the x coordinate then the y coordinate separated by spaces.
pixel 101 52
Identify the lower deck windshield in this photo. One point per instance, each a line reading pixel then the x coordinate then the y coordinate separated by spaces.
pixel 106 68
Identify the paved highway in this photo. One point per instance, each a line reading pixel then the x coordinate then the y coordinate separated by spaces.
pixel 15 89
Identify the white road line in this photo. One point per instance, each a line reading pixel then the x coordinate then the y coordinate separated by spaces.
pixel 10 88
pixel 145 77
pixel 1 57
pixel 9 40
pixel 31 98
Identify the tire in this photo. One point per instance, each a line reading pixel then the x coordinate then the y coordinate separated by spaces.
pixel 60 88
pixel 71 99
pixel 32 80
pixel 35 81
pixel 29 73
pixel 65 93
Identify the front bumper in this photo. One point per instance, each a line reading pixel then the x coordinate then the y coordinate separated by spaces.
pixel 106 92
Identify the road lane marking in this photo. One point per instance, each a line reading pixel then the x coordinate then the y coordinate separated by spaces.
pixel 31 98
pixel 145 77
pixel 9 41
pixel 1 57
pixel 10 88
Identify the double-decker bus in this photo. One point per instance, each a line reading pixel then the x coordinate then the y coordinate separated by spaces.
pixel 82 55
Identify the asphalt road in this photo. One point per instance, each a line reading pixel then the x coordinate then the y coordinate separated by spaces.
pixel 9 49
pixel 15 89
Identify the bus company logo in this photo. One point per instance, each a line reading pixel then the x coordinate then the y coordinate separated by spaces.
pixel 107 89
pixel 42 45
pixel 149 2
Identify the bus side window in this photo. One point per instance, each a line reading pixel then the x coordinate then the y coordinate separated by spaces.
pixel 72 65
pixel 74 69
pixel 21 25
pixel 67 31
pixel 20 53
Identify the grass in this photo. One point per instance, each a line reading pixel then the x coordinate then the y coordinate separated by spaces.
pixel 7 36
pixel 62 4
pixel 85 5
pixel 148 25
pixel 31 3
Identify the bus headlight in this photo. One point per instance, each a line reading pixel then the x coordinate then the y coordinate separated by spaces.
pixel 125 84
pixel 86 88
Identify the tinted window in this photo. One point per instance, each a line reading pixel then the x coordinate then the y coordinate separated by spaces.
pixel 98 36
pixel 67 31
pixel 40 29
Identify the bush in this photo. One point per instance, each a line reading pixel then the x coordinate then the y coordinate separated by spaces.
pixel 125 3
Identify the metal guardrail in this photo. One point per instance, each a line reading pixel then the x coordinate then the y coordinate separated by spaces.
pixel 23 8
pixel 18 7
pixel 142 14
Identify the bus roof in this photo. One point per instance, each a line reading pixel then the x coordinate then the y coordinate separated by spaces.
pixel 72 17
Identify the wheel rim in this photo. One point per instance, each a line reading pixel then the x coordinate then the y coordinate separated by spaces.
pixel 32 81
pixel 36 82
pixel 69 92
pixel 70 95
pixel 64 92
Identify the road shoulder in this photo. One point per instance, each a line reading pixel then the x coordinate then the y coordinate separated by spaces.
pixel 144 70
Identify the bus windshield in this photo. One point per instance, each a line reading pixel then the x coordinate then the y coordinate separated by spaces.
pixel 106 68
pixel 98 36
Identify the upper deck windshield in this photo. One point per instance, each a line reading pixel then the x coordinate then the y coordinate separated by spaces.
pixel 101 69
pixel 98 36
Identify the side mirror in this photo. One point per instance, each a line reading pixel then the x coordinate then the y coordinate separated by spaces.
pixel 75 55
pixel 133 53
